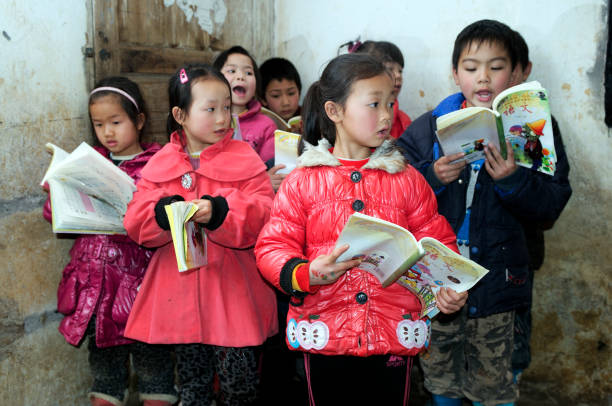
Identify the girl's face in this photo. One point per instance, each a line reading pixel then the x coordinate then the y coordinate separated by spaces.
pixel 239 72
pixel 114 128
pixel 396 71
pixel 208 118
pixel 364 121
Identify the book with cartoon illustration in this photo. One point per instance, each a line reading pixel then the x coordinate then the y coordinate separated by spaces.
pixel 519 114
pixel 188 237
pixel 285 150
pixel 392 254
pixel 89 195
pixel 294 124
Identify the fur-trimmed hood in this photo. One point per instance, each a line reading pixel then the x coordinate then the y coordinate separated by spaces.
pixel 386 157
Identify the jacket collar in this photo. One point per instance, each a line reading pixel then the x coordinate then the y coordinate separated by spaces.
pixel 448 105
pixel 253 107
pixel 386 157
pixel 227 160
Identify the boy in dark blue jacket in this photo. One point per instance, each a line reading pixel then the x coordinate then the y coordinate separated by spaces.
pixel 486 202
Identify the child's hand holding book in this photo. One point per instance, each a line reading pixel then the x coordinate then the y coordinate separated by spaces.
pixel 449 301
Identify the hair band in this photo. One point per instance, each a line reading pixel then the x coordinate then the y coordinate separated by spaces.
pixel 116 90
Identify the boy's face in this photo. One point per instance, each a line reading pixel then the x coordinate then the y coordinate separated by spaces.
pixel 282 97
pixel 483 71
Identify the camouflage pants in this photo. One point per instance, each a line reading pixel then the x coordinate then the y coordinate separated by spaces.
pixel 471 358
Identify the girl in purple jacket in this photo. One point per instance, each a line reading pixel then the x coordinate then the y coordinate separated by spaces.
pixel 100 282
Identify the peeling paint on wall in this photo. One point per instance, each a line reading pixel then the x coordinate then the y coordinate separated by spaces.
pixel 209 13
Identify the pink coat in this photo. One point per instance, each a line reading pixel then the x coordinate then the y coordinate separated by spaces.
pixel 258 130
pixel 102 276
pixel 354 315
pixel 226 302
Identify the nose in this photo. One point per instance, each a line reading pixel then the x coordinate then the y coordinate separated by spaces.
pixel 483 75
pixel 108 130
pixel 284 100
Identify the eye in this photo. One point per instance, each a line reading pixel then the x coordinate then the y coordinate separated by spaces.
pixel 391 105
pixel 230 70
pixel 249 73
pixel 98 125
pixel 497 67
pixel 227 108
pixel 292 93
pixel 116 122
pixel 210 109
pixel 374 105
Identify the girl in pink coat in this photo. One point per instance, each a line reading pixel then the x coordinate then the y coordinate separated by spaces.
pixel 240 70
pixel 340 314
pixel 220 313
pixel 100 282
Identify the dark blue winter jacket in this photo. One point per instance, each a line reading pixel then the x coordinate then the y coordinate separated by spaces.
pixel 497 240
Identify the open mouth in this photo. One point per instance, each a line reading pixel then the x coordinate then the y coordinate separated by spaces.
pixel 239 91
pixel 484 95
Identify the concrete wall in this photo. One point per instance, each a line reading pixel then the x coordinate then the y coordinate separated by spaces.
pixel 567 39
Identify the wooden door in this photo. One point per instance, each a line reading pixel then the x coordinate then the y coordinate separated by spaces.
pixel 147 40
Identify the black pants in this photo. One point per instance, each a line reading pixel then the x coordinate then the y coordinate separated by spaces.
pixel 153 366
pixel 344 380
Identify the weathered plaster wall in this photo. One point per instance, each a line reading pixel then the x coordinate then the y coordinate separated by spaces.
pixel 43 98
pixel 567 39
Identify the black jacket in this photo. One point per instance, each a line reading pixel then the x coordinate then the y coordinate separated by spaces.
pixel 497 238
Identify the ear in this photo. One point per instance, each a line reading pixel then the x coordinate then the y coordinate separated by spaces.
pixel 455 76
pixel 334 111
pixel 140 121
pixel 178 114
pixel 527 71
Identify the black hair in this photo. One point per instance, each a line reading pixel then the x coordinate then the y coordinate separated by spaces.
pixel 180 85
pixel 521 49
pixel 128 86
pixel 221 59
pixel 279 69
pixel 384 51
pixel 481 31
pixel 335 85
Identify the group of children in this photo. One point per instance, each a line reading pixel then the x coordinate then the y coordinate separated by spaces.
pixel 268 232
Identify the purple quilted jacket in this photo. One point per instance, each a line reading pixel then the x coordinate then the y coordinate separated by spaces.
pixel 103 276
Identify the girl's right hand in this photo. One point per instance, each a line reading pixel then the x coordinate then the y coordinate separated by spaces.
pixel 324 269
pixel 204 212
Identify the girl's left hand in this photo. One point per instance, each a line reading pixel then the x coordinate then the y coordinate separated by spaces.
pixel 204 211
pixel 496 165
pixel 449 301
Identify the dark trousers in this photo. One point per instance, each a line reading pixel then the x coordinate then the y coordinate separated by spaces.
pixel 153 366
pixel 345 380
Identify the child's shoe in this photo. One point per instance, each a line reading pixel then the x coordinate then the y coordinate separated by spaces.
pixel 98 399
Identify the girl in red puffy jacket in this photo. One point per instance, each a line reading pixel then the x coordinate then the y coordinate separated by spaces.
pixel 100 282
pixel 340 314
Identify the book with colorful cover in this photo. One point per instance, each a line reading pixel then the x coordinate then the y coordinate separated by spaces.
pixel 188 237
pixel 88 193
pixel 519 114
pixel 392 254
pixel 285 150
pixel 294 124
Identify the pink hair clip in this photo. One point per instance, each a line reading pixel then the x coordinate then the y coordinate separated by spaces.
pixel 183 76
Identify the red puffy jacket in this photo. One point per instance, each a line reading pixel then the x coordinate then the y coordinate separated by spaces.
pixel 354 315
pixel 103 276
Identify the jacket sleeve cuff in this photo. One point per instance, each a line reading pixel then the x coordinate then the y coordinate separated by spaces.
pixel 219 211
pixel 509 184
pixel 433 180
pixel 286 277
pixel 160 212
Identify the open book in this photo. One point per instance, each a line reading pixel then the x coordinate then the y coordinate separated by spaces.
pixel 89 195
pixel 391 253
pixel 520 114
pixel 294 124
pixel 188 237
pixel 285 150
